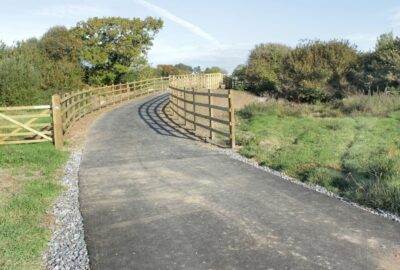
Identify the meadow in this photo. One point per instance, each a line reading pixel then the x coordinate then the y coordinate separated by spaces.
pixel 350 147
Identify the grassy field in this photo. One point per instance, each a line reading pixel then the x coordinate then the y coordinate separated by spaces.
pixel 350 147
pixel 27 190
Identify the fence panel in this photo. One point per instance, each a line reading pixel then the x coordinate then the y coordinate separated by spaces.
pixel 25 124
pixel 194 99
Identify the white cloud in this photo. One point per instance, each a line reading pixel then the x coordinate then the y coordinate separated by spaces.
pixel 66 11
pixel 188 25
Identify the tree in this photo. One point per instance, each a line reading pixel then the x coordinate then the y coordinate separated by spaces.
pixel 19 82
pixel 183 69
pixel 111 45
pixel 379 70
pixel 140 70
pixel 240 72
pixel 215 69
pixel 3 50
pixel 197 69
pixel 318 71
pixel 61 44
pixel 167 70
pixel 265 65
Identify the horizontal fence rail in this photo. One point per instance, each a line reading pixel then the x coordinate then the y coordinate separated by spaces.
pixel 193 100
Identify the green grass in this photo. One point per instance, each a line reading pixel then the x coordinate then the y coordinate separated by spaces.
pixel 354 153
pixel 24 231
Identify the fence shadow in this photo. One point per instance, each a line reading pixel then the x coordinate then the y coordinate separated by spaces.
pixel 153 113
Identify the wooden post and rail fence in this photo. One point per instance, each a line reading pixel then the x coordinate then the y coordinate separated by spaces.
pixel 33 124
pixel 195 98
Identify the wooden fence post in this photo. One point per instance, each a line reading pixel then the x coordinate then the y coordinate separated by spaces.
pixel 231 120
pixel 194 110
pixel 58 136
pixel 210 113
pixel 184 106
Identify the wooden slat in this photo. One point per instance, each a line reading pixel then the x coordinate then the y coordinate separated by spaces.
pixel 23 141
pixel 25 108
pixel 23 134
pixel 200 93
pixel 30 125
pixel 28 116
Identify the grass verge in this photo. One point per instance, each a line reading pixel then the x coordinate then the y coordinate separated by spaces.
pixel 30 189
pixel 351 148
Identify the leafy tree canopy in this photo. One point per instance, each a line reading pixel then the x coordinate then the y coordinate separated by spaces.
pixel 59 43
pixel 110 45
pixel 265 64
pixel 184 68
pixel 317 70
pixel 215 69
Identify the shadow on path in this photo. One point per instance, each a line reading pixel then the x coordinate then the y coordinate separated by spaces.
pixel 153 113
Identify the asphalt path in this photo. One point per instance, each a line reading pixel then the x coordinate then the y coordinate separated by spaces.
pixel 153 197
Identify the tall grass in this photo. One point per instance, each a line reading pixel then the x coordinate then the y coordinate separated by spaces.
pixel 351 147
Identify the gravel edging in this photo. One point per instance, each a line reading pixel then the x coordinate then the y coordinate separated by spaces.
pixel 234 155
pixel 67 247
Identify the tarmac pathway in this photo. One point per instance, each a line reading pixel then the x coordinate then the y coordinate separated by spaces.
pixel 154 198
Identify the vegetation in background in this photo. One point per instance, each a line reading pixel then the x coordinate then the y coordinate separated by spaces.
pixel 264 67
pixel 27 190
pixel 95 52
pixel 19 81
pixel 215 69
pixel 110 45
pixel 317 71
pixel 351 147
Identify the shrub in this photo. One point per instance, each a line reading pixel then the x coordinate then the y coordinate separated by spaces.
pixel 317 71
pixel 264 67
pixel 19 82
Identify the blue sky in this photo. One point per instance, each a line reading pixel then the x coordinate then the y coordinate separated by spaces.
pixel 210 32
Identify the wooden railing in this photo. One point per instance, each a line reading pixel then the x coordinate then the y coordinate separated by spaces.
pixel 77 104
pixel 194 98
pixel 29 124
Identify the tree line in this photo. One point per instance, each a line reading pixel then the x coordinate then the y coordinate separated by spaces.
pixel 95 52
pixel 320 71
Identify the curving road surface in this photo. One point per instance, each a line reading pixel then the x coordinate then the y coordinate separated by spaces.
pixel 154 198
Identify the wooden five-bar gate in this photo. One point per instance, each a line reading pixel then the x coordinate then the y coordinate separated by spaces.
pixel 32 124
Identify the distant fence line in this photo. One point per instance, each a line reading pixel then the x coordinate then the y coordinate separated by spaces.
pixel 32 124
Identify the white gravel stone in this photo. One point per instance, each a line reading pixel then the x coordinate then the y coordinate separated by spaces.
pixel 232 154
pixel 67 247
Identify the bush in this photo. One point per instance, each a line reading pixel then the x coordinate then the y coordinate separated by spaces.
pixel 19 82
pixel 264 67
pixel 317 71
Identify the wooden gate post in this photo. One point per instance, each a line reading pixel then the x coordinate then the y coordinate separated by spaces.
pixel 231 120
pixel 58 136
